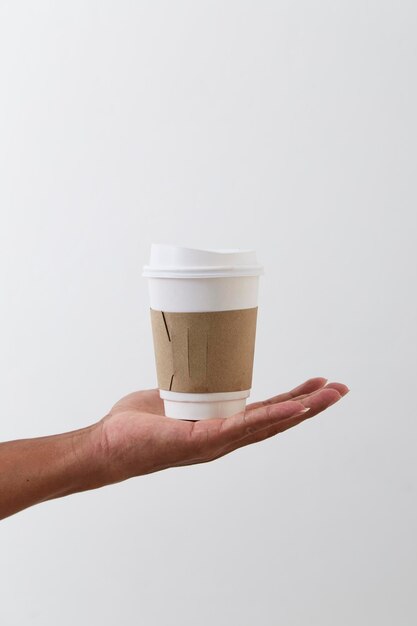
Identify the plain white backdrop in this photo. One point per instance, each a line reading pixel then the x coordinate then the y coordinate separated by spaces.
pixel 284 126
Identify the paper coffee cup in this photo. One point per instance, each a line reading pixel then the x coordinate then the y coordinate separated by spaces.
pixel 203 306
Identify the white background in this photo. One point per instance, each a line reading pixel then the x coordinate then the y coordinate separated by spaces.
pixel 288 127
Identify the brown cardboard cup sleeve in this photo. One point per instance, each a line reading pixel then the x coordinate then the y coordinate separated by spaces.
pixel 204 352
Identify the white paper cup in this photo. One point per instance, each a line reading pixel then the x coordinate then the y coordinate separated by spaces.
pixel 192 280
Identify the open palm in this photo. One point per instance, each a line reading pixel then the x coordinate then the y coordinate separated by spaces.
pixel 138 439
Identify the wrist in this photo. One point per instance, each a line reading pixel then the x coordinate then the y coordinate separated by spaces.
pixel 89 458
pixel 105 464
pixel 83 465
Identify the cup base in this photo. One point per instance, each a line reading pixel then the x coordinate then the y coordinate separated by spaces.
pixel 201 406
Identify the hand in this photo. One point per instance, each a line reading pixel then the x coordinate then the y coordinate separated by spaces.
pixel 136 438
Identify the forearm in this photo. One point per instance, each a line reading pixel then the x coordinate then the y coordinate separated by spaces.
pixel 35 470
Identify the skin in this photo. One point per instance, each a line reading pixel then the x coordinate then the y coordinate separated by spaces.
pixel 135 438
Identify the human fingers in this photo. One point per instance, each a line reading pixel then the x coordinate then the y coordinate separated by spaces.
pixel 340 387
pixel 307 387
pixel 317 403
pixel 207 437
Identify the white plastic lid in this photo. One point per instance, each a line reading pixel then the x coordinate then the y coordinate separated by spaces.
pixel 168 261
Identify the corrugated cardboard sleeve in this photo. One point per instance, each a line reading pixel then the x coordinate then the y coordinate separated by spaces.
pixel 204 352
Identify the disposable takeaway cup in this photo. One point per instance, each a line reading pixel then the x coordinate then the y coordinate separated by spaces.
pixel 203 308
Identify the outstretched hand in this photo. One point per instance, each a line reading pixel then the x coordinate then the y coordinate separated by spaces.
pixel 136 437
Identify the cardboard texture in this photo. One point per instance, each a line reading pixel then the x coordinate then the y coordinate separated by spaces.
pixel 204 352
